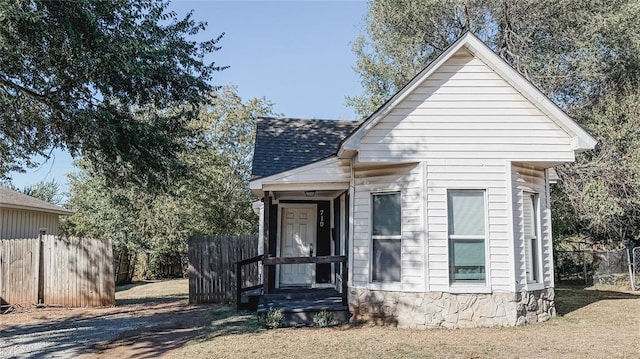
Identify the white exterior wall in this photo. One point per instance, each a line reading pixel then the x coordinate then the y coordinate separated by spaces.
pixel 463 126
pixel 532 180
pixel 408 181
pixel 21 223
pixel 466 111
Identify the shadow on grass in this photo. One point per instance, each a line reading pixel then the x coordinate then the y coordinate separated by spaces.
pixel 573 297
pixel 223 321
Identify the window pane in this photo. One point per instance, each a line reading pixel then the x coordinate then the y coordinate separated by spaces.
pixel 386 214
pixel 529 215
pixel 466 212
pixel 386 259
pixel 467 260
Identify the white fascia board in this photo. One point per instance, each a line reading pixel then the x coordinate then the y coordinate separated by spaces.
pixel 581 140
pixel 353 141
pixel 306 186
pixel 258 183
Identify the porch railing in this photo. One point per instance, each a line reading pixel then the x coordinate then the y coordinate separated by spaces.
pixel 270 262
pixel 239 280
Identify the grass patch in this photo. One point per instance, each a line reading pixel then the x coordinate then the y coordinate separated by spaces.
pixel 591 324
pixel 224 321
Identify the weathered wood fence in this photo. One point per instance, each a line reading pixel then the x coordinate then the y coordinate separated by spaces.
pixel 212 277
pixel 52 270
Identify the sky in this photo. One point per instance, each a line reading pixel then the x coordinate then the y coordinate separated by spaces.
pixel 296 54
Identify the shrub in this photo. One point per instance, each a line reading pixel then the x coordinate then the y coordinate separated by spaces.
pixel 274 318
pixel 323 318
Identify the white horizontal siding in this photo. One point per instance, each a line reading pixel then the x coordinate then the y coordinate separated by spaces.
pixel 464 110
pixel 529 179
pixel 21 224
pixel 488 175
pixel 408 181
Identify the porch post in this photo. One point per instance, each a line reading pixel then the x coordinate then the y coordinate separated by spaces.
pixel 267 214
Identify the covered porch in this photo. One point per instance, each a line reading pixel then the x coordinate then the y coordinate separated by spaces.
pixel 303 242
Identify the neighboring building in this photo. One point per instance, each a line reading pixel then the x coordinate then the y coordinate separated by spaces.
pixel 23 216
pixel 439 200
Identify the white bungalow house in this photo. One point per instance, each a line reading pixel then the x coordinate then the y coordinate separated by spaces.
pixel 23 216
pixel 438 203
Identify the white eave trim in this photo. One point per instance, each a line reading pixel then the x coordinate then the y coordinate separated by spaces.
pixel 258 183
pixel 581 140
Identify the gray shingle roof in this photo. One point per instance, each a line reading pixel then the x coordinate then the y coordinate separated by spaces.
pixel 286 143
pixel 12 199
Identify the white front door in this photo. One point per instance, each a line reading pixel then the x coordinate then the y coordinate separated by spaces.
pixel 297 239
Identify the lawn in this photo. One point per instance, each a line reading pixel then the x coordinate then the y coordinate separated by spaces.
pixel 591 324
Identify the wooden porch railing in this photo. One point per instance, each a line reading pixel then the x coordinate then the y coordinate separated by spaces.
pixel 269 262
pixel 239 281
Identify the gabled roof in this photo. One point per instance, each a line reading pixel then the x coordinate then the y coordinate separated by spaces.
pixel 581 140
pixel 12 199
pixel 285 143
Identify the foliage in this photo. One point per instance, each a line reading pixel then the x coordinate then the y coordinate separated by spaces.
pixel 212 198
pixel 97 78
pixel 273 319
pixel 600 193
pixel 568 49
pixel 585 55
pixel 323 318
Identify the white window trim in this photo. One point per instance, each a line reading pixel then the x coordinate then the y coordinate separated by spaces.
pixel 384 285
pixel 538 283
pixel 462 288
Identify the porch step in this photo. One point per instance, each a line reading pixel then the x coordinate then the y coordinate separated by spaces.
pixel 300 307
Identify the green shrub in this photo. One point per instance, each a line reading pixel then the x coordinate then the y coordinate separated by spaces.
pixel 274 318
pixel 323 319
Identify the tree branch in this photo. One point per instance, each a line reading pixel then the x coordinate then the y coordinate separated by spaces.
pixel 28 92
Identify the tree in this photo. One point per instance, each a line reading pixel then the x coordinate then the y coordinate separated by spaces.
pixel 97 78
pixel 571 50
pixel 212 198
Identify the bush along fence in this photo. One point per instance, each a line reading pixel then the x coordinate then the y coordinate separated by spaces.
pixel 212 259
pixel 591 267
pixel 56 271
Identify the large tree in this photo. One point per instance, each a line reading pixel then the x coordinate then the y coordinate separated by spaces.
pixel 585 55
pixel 571 50
pixel 80 74
pixel 211 198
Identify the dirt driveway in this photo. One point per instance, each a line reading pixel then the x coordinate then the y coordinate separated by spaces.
pixel 149 320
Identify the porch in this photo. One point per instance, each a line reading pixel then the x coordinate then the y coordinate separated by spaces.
pixel 304 267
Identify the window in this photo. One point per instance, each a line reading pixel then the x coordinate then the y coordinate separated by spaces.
pixel 466 213
pixel 530 220
pixel 387 237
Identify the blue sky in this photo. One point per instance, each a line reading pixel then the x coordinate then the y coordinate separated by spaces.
pixel 297 54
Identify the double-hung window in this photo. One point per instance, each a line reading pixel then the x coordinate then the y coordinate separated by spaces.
pixel 386 237
pixel 531 230
pixel 467 234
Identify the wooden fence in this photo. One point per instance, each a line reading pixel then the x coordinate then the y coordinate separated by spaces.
pixel 65 271
pixel 212 277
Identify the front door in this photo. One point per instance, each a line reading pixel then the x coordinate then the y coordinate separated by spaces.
pixel 297 239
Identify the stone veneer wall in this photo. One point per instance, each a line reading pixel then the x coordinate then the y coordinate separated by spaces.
pixel 439 309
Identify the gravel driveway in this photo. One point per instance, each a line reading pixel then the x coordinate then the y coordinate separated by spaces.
pixel 148 321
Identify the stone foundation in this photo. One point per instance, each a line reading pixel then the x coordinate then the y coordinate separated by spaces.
pixel 439 309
